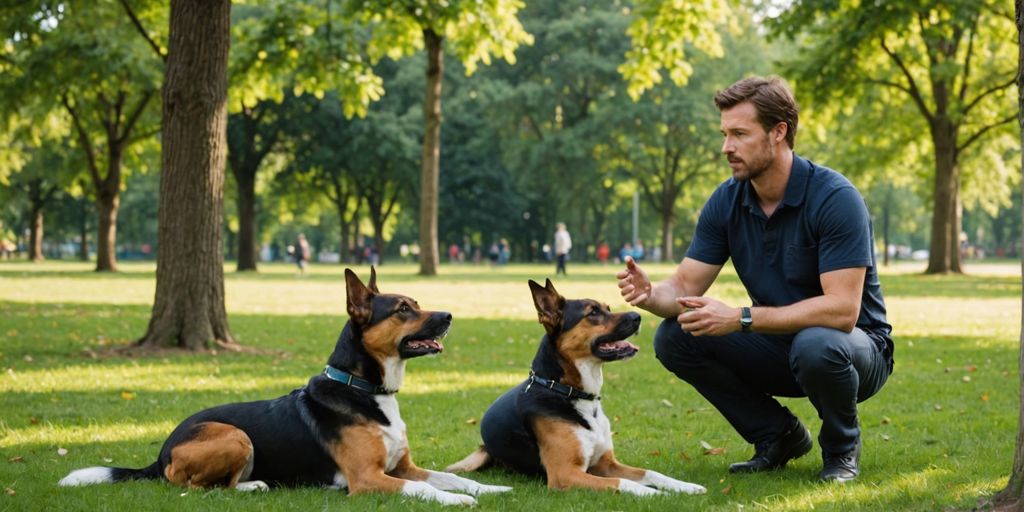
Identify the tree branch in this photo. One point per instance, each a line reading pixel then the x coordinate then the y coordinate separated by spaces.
pixel 977 135
pixel 129 125
pixel 911 88
pixel 991 90
pixel 83 139
pixel 142 31
pixel 967 58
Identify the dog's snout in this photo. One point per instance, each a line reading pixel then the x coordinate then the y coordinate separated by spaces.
pixel 445 317
pixel 633 318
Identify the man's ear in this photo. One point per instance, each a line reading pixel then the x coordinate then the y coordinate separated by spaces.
pixel 373 281
pixel 358 298
pixel 779 132
pixel 549 305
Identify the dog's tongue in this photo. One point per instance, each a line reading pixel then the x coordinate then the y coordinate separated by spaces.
pixel 619 345
pixel 436 344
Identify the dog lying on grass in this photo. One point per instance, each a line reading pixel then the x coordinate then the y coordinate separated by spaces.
pixel 341 430
pixel 552 423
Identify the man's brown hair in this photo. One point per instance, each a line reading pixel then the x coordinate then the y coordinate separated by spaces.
pixel 771 98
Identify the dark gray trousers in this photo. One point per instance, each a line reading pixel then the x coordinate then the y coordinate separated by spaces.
pixel 741 373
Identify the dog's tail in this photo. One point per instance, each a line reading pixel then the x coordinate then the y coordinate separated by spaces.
pixel 479 459
pixel 100 475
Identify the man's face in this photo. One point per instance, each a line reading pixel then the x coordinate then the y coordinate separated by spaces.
pixel 748 148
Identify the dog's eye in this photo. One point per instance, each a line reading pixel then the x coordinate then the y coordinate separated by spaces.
pixel 404 308
pixel 594 312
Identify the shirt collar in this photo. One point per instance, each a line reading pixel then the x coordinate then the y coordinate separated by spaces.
pixel 796 187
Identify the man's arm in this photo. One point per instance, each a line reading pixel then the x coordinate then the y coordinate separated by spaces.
pixel 691 278
pixel 838 307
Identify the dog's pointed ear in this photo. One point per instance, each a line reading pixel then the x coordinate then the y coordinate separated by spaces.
pixel 549 305
pixel 373 280
pixel 358 298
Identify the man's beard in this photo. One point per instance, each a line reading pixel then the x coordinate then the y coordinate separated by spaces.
pixel 757 164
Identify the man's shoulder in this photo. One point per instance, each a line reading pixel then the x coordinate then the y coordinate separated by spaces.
pixel 825 178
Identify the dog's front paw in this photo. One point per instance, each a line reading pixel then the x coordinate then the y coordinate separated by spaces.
pixel 632 487
pixel 254 485
pixel 489 489
pixel 671 484
pixel 450 498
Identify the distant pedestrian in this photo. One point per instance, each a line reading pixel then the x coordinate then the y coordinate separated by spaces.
pixel 563 242
pixel 603 251
pixel 301 253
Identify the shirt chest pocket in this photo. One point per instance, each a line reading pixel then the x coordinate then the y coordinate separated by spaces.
pixel 800 266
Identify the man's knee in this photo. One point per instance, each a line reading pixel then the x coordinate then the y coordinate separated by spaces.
pixel 819 350
pixel 672 346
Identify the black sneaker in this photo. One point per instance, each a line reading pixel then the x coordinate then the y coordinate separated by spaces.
pixel 841 467
pixel 791 445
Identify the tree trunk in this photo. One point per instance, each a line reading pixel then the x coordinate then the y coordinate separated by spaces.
pixel 188 310
pixel 431 170
pixel 1012 497
pixel 247 247
pixel 944 254
pixel 667 226
pixel 106 234
pixel 83 227
pixel 35 239
pixel 886 213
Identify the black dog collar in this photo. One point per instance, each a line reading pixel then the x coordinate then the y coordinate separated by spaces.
pixel 351 380
pixel 568 391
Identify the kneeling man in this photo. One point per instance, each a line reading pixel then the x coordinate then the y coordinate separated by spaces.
pixel 800 238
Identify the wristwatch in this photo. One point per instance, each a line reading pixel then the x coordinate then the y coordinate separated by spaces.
pixel 745 319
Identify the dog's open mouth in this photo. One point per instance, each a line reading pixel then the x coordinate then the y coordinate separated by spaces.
pixel 614 350
pixel 420 347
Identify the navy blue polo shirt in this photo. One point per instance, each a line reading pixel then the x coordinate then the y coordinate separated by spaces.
pixel 821 225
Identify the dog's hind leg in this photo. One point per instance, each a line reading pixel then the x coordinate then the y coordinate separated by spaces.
pixel 216 455
pixel 477 460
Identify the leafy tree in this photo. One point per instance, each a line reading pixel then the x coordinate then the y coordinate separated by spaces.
pixel 281 49
pixel 108 89
pixel 946 58
pixel 477 29
pixel 1012 497
pixel 188 310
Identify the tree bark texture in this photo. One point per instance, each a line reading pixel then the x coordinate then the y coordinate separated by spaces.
pixel 431 164
pixel 944 253
pixel 35 239
pixel 1012 497
pixel 188 310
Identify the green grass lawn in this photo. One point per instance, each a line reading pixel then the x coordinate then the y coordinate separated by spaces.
pixel 940 435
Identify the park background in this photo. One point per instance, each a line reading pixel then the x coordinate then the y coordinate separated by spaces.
pixel 596 114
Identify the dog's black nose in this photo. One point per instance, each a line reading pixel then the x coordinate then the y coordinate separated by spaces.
pixel 633 317
pixel 445 317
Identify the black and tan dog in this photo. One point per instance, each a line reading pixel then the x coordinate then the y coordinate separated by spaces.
pixel 553 423
pixel 341 430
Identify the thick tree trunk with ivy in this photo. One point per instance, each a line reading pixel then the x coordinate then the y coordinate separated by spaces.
pixel 1012 497
pixel 431 170
pixel 188 311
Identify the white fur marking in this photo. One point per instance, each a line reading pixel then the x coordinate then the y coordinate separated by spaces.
pixel 87 476
pixel 394 434
pixel 450 482
pixel 428 492
pixel 394 373
pixel 634 488
pixel 591 374
pixel 339 481
pixel 252 485
pixel 670 484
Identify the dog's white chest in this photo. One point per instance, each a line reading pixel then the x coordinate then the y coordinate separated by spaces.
pixel 393 435
pixel 597 440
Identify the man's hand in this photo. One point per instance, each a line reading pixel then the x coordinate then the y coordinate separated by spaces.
pixel 703 316
pixel 634 284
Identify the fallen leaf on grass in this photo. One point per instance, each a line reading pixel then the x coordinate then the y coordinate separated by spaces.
pixel 655 453
pixel 666 403
pixel 471 421
pixel 727 489
pixel 8 491
pixel 984 397
pixel 62 451
pixel 684 456
pixel 18 458
pixel 966 378
pixel 886 420
pixel 127 395
pixel 938 407
pixel 971 368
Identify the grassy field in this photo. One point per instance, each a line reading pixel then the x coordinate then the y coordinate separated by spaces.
pixel 940 435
